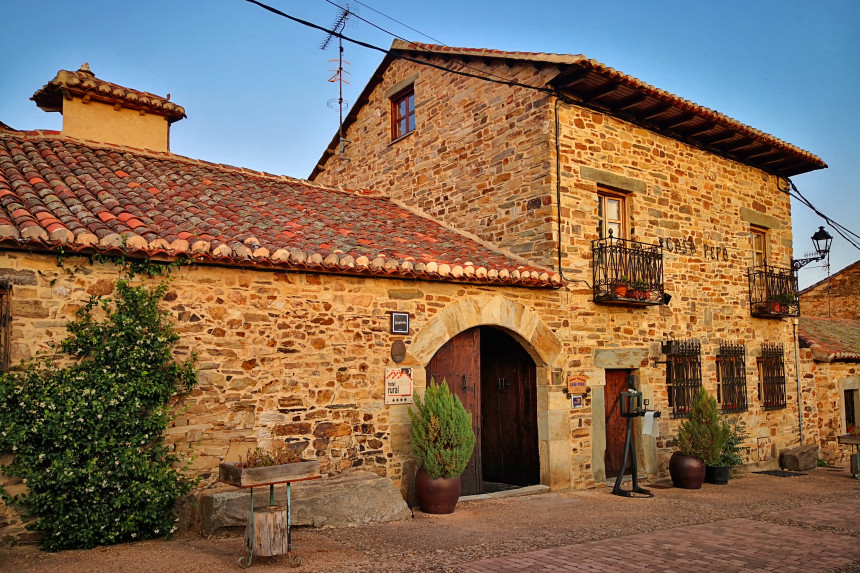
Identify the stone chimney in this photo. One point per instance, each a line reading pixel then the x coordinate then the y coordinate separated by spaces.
pixel 107 113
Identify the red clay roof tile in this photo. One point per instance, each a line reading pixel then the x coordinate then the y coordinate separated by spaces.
pixel 163 203
pixel 831 339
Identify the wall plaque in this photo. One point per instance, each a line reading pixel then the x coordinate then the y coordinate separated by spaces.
pixel 398 351
pixel 577 385
pixel 398 385
pixel 399 323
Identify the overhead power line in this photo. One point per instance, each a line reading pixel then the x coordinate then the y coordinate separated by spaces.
pixel 844 232
pixel 507 82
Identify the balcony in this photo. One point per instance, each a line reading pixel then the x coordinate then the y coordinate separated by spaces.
pixel 773 292
pixel 627 272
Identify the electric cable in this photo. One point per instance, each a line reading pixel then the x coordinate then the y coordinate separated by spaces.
pixel 843 231
pixel 445 57
pixel 401 23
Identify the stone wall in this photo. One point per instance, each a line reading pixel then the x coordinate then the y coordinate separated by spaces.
pixel 495 146
pixel 301 357
pixel 478 158
pixel 836 297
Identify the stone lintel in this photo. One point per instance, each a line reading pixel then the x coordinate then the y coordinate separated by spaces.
pixel 620 357
pixel 613 180
pixel 760 219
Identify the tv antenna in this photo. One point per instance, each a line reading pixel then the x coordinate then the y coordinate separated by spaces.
pixel 339 74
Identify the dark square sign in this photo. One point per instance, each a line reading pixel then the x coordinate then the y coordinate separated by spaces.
pixel 399 323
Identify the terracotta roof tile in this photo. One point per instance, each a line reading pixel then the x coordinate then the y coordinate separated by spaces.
pixel 85 84
pixel 57 191
pixel 831 339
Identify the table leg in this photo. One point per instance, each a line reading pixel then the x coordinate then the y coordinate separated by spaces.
pixel 244 563
pixel 293 561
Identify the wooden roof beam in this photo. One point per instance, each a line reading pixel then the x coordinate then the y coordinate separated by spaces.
pixel 568 80
pixel 629 102
pixel 719 138
pixel 655 112
pixel 600 92
pixel 676 121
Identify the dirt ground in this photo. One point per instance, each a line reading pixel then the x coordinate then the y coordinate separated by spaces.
pixel 476 530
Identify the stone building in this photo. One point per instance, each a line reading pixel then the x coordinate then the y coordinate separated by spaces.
pixel 487 225
pixel 837 296
pixel 668 222
pixel 289 300
pixel 830 328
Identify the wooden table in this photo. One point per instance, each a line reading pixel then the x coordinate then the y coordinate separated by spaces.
pixel 854 442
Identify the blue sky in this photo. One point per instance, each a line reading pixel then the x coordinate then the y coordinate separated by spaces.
pixel 255 86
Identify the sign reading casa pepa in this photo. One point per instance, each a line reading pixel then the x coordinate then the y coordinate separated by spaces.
pixel 688 247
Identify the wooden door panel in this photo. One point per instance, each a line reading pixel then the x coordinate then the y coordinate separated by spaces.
pixel 509 445
pixel 458 362
pixel 616 426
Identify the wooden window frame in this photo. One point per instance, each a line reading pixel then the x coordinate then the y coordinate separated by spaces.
pixel 732 378
pixel 762 232
pixel 602 221
pixel 397 117
pixel 683 376
pixel 772 391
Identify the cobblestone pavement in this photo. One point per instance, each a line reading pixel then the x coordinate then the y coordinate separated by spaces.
pixel 725 546
pixel 757 523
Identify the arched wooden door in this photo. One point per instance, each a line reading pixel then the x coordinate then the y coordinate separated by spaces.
pixel 495 378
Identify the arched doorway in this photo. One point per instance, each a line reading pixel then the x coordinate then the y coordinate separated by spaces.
pixel 495 379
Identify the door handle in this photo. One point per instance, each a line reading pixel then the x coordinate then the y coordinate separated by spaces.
pixel 465 386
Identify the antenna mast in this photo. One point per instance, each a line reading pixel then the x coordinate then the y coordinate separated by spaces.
pixel 337 28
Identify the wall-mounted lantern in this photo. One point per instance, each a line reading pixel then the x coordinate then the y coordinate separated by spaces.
pixel 821 240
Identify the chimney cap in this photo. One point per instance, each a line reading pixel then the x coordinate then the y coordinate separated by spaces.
pixel 83 82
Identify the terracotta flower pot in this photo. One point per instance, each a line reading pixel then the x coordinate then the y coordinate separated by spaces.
pixel 686 471
pixel 438 495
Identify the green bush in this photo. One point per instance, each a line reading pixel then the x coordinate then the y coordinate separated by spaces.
pixel 703 434
pixel 88 438
pixel 732 451
pixel 442 435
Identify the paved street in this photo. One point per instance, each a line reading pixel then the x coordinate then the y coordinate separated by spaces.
pixel 759 523
pixel 725 546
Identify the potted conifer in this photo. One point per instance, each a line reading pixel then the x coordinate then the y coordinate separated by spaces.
pixel 700 440
pixel 443 440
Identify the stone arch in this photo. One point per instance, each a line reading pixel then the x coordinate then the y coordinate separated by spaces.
pixel 518 320
pixel 526 326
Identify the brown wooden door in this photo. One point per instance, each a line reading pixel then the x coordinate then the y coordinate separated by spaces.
pixel 509 441
pixel 459 363
pixel 616 426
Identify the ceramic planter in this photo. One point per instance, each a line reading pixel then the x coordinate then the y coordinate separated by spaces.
pixel 686 471
pixel 231 473
pixel 718 475
pixel 438 495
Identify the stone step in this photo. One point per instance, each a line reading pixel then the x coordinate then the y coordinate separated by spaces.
pixel 347 499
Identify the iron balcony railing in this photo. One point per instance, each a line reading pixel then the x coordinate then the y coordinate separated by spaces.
pixel 773 292
pixel 627 272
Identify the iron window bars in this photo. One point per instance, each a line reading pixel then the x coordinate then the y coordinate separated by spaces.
pixel 627 272
pixel 683 375
pixel 773 292
pixel 732 387
pixel 5 324
pixel 772 374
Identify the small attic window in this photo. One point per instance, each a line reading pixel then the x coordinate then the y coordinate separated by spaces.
pixel 403 113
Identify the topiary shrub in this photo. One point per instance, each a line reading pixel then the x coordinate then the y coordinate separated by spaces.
pixel 703 434
pixel 88 438
pixel 442 435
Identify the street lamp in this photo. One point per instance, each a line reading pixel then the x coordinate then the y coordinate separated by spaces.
pixel 821 240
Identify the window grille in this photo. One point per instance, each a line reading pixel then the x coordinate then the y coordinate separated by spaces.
pixel 732 378
pixel 683 375
pixel 772 375
pixel 5 324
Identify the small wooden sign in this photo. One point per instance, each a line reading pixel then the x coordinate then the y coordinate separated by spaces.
pixel 399 323
pixel 398 385
pixel 577 385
